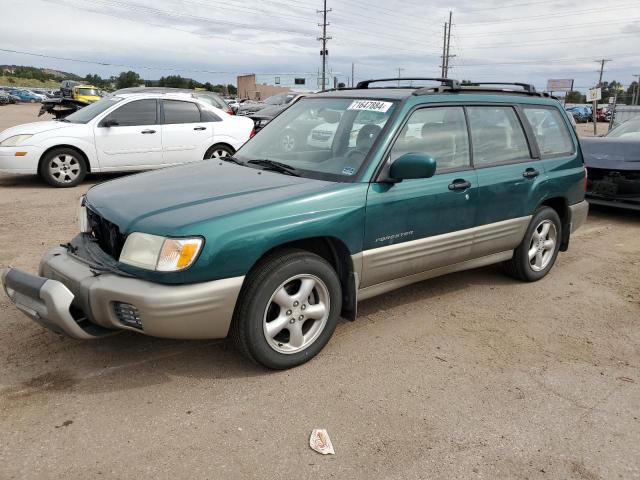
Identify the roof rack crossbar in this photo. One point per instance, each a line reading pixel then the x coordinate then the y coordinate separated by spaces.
pixel 449 82
pixel 527 87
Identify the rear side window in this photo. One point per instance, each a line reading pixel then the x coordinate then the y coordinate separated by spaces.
pixel 550 131
pixel 138 112
pixel 176 111
pixel 440 132
pixel 497 136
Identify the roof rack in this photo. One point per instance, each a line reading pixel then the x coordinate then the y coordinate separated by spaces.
pixel 448 82
pixel 527 87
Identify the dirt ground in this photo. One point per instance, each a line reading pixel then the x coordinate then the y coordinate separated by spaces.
pixel 471 375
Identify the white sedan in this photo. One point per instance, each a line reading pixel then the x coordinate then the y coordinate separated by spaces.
pixel 127 132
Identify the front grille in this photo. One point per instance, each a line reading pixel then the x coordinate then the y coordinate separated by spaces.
pixel 106 233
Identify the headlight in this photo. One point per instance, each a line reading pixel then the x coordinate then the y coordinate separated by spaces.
pixel 15 140
pixel 160 253
pixel 83 219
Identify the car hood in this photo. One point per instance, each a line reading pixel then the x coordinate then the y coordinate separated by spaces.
pixel 33 128
pixel 170 200
pixel 611 153
pixel 269 112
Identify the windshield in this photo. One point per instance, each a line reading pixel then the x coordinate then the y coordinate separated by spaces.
pixel 630 128
pixel 89 112
pixel 324 138
pixel 88 91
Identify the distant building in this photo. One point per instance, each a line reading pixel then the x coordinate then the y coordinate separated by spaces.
pixel 260 86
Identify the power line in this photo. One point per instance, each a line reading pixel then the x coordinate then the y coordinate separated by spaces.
pixel 147 67
pixel 554 15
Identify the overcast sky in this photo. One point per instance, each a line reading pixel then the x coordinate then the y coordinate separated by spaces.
pixel 209 40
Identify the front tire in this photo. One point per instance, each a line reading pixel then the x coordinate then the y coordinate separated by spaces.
pixel 63 167
pixel 537 253
pixel 288 309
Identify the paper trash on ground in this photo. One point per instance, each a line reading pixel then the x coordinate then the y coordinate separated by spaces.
pixel 320 442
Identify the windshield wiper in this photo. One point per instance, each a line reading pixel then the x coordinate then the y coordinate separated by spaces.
pixel 232 160
pixel 276 166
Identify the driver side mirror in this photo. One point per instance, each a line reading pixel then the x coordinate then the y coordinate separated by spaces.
pixel 109 122
pixel 413 165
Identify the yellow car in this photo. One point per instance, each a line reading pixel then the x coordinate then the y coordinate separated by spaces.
pixel 86 93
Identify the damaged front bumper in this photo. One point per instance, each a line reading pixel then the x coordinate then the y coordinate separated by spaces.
pixel 72 298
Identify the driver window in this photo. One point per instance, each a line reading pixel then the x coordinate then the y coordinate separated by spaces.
pixel 440 132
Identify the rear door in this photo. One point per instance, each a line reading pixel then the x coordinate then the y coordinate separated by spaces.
pixel 508 176
pixel 185 137
pixel 134 138
pixel 422 224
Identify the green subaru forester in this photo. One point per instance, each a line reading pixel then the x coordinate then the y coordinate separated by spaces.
pixel 345 195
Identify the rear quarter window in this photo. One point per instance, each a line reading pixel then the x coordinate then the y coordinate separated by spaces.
pixel 550 131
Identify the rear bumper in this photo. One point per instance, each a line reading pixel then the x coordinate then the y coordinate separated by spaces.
pixel 579 212
pixel 69 298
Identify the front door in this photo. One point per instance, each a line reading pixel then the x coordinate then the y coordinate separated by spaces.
pixel 130 137
pixel 418 225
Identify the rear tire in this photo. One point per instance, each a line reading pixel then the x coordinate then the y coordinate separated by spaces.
pixel 63 167
pixel 537 253
pixel 287 310
pixel 217 152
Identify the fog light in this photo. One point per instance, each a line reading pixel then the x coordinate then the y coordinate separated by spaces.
pixel 127 315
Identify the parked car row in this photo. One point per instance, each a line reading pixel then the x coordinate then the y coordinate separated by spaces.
pixel 24 94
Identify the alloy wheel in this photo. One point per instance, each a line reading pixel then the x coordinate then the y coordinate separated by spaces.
pixel 64 168
pixel 296 314
pixel 219 153
pixel 542 246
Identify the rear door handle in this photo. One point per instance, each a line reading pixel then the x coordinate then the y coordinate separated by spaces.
pixel 148 131
pixel 199 128
pixel 458 185
pixel 530 173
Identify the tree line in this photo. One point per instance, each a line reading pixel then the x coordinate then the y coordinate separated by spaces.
pixel 123 80
pixel 133 79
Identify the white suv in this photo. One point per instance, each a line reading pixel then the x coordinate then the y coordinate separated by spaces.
pixel 125 132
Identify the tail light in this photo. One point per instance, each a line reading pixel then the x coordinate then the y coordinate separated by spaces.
pixel 253 132
pixel 586 174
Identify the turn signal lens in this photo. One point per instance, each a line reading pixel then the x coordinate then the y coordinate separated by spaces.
pixel 178 253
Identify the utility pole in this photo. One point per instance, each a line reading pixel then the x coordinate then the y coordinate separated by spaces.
pixel 636 91
pixel 594 112
pixel 446 68
pixel 352 73
pixel 399 75
pixel 444 49
pixel 324 40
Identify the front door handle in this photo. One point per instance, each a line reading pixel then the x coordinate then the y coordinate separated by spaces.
pixel 148 131
pixel 199 128
pixel 459 184
pixel 530 173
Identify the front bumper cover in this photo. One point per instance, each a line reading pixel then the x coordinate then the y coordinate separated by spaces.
pixel 71 298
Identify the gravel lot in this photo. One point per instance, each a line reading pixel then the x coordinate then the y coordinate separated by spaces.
pixel 472 375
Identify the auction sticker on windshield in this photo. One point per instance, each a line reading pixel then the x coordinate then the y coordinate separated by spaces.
pixel 371 105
